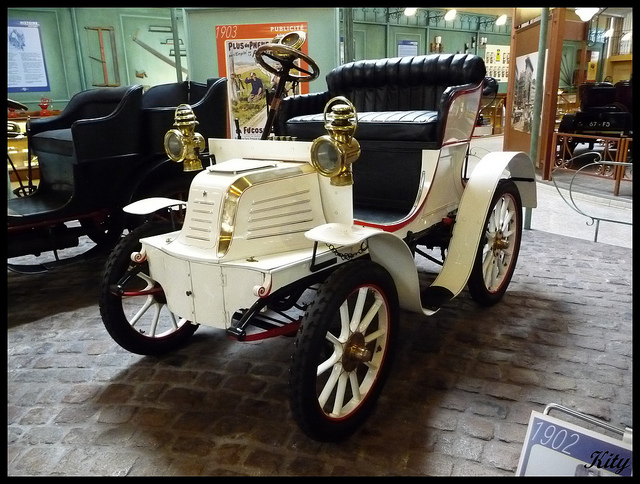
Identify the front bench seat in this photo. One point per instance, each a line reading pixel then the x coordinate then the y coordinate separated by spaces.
pixel 397 99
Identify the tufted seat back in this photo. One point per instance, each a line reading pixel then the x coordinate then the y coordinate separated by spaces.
pixel 404 83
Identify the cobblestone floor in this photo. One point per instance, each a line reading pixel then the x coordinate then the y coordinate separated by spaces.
pixel 457 402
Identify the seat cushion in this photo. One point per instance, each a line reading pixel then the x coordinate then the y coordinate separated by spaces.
pixel 59 141
pixel 416 125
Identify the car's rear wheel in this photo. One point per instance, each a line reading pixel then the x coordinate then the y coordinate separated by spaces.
pixel 499 246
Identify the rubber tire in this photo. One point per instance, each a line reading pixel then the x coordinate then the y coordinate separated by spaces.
pixel 311 348
pixel 111 310
pixel 478 289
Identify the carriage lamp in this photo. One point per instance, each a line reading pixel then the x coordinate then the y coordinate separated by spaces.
pixel 182 143
pixel 333 154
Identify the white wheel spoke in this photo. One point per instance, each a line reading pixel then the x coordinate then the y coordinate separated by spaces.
pixel 154 321
pixel 488 261
pixel 504 207
pixel 340 391
pixel 355 386
pixel 329 385
pixel 496 216
pixel 366 321
pixel 375 335
pixel 488 271
pixel 147 304
pixel 344 322
pixel 330 337
pixel 357 310
pixel 330 362
pixel 173 320
pixel 506 220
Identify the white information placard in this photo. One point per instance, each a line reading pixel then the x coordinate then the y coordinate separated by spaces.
pixel 26 69
pixel 407 48
pixel 554 447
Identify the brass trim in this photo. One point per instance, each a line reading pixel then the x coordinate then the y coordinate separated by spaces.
pixel 231 198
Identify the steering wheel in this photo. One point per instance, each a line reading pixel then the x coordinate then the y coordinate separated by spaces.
pixel 285 56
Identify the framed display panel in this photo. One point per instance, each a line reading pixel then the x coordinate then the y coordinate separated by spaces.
pixel 555 447
pixel 26 67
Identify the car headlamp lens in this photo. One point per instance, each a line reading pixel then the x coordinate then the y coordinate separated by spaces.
pixel 174 145
pixel 326 156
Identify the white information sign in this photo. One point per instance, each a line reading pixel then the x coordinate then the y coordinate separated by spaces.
pixel 554 447
pixel 407 48
pixel 26 69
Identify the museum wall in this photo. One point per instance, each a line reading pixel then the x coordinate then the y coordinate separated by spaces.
pixel 91 47
pixel 203 33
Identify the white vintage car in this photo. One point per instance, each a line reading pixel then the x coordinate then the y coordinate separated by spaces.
pixel 272 219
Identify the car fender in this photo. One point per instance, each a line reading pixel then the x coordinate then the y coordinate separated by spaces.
pixel 385 248
pixel 472 212
pixel 392 253
pixel 152 204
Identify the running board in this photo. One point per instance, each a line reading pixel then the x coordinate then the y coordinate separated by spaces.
pixel 47 266
pixel 269 326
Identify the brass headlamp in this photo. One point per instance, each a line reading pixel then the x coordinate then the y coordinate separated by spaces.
pixel 333 154
pixel 182 143
pixel 293 39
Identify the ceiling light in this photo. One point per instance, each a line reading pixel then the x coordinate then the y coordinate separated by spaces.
pixel 410 11
pixel 502 19
pixel 450 15
pixel 586 14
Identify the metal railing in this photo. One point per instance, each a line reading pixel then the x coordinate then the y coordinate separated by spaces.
pixel 594 219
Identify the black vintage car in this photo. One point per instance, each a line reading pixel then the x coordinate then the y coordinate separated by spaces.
pixel 103 151
pixel 605 110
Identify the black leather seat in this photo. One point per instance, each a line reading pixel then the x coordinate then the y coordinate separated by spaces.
pixel 397 99
pixel 208 101
pixel 96 124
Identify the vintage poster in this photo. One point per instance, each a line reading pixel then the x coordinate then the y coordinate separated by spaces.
pixel 524 92
pixel 26 69
pixel 248 82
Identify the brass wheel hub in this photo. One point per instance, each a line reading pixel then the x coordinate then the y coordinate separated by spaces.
pixel 499 243
pixel 355 352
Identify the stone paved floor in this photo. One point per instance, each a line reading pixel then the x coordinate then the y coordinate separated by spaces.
pixel 457 402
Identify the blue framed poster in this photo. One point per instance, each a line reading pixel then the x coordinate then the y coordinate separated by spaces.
pixel 26 68
pixel 554 447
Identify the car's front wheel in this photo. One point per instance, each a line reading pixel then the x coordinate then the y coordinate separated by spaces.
pixel 344 350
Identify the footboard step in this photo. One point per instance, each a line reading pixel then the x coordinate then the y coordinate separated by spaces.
pixel 434 297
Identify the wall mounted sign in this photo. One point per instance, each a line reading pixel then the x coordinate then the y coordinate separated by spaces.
pixel 247 81
pixel 555 447
pixel 26 68
pixel 496 59
pixel 407 48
